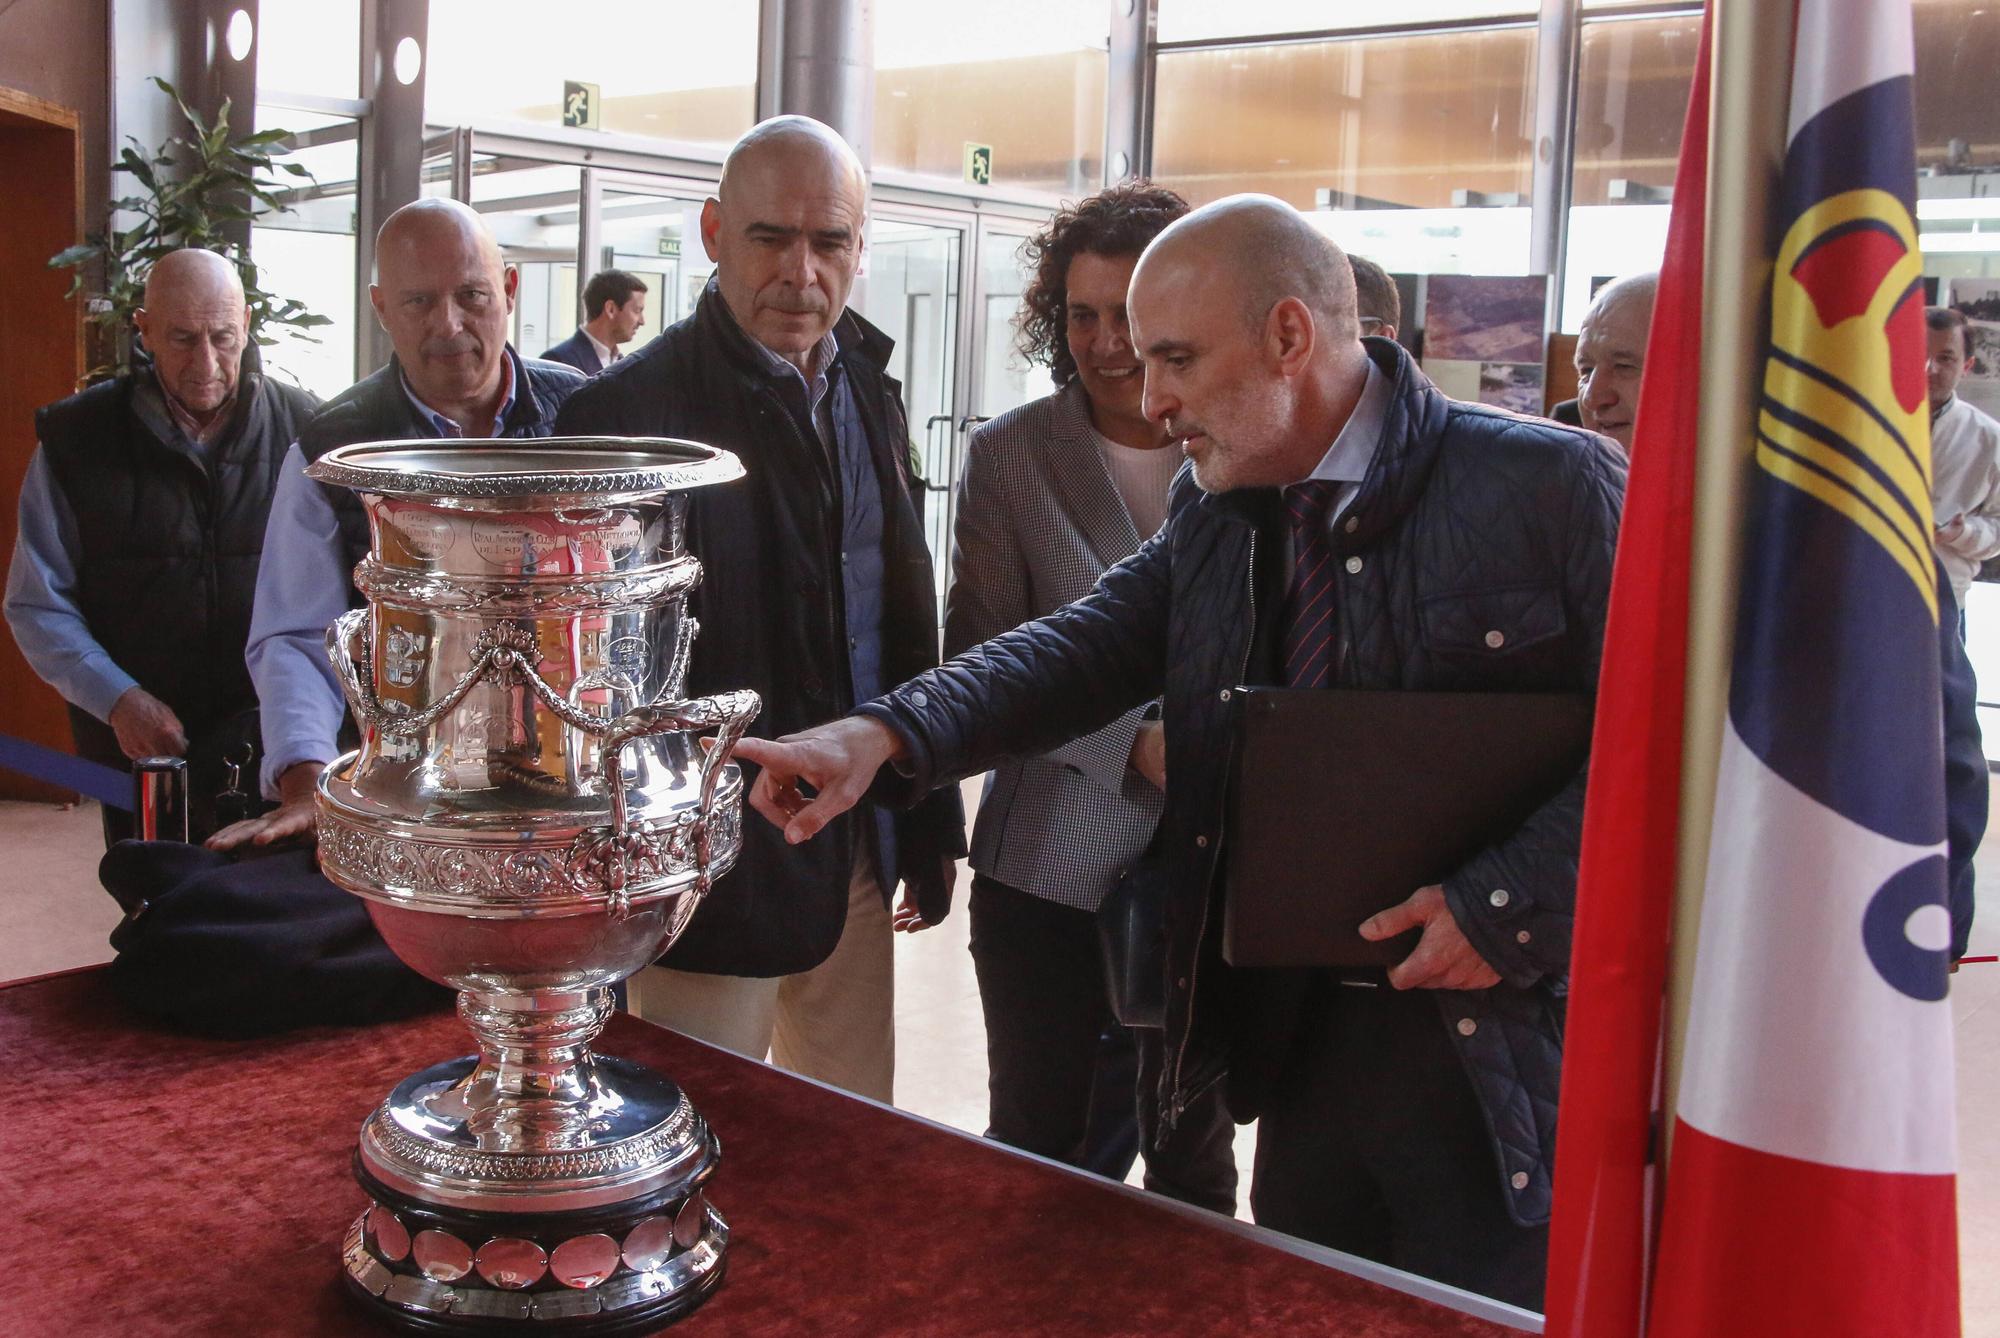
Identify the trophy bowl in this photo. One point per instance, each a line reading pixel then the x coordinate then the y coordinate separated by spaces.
pixel 534 813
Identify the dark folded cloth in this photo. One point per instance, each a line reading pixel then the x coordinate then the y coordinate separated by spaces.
pixel 230 947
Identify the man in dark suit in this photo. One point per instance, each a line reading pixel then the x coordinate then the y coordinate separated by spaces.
pixel 616 301
pixel 817 592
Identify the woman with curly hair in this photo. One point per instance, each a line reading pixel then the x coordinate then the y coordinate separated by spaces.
pixel 1052 494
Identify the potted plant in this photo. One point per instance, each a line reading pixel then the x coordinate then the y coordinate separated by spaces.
pixel 196 185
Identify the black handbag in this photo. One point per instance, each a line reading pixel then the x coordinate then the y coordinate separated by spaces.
pixel 1132 932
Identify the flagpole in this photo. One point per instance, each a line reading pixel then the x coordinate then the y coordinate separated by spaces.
pixel 1748 112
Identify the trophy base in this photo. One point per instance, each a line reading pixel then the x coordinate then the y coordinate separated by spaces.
pixel 626 1243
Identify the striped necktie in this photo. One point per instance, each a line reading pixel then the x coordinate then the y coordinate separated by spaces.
pixel 1309 621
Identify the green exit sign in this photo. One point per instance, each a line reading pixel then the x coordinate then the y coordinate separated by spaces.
pixel 670 247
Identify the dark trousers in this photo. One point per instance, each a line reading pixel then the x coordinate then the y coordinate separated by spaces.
pixel 1373 1142
pixel 1061 1071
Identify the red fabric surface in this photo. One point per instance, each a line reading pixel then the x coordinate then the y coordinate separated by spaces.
pixel 1599 1236
pixel 163 1184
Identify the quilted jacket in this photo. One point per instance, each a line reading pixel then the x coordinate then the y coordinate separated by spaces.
pixel 1471 522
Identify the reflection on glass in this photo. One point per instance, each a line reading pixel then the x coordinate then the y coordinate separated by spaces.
pixel 533 211
pixel 1425 122
pixel 1632 83
pixel 1006 379
pixel 307 252
pixel 1202 20
pixel 1025 79
pixel 911 295
pixel 680 72
pixel 1413 149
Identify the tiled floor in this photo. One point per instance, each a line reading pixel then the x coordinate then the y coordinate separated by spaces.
pixel 53 915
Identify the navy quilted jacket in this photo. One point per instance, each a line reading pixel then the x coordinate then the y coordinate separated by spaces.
pixel 1471 521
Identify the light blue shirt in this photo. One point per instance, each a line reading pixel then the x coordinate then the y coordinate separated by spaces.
pixel 1346 462
pixel 302 586
pixel 41 600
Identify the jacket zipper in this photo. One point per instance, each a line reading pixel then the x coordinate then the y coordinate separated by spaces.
pixel 1181 1095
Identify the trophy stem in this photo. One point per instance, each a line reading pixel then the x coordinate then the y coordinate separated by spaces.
pixel 535 1083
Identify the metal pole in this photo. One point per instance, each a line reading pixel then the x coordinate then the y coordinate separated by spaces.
pixel 589 233
pixel 770 57
pixel 818 59
pixel 1555 144
pixel 1749 89
pixel 390 170
pixel 1128 91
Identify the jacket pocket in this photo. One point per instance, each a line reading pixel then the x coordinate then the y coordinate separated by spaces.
pixel 1507 638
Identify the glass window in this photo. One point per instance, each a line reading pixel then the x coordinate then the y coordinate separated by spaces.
pixel 1419 141
pixel 1632 89
pixel 679 72
pixel 1633 77
pixel 1207 20
pixel 1024 79
pixel 533 212
pixel 1006 378
pixel 309 46
pixel 658 238
pixel 307 252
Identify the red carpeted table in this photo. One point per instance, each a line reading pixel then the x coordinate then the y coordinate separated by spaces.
pixel 161 1184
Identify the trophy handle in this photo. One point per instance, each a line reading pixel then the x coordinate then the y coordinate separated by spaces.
pixel 727 713
pixel 342 634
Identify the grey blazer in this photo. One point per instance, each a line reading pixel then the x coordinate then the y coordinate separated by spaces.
pixel 1038 521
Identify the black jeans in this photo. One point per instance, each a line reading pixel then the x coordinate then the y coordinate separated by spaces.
pixel 1061 1071
pixel 1374 1143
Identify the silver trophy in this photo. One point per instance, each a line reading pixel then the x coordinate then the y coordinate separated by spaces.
pixel 532 816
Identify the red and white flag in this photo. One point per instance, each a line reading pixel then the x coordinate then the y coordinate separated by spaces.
pixel 1600 1240
pixel 1810 1187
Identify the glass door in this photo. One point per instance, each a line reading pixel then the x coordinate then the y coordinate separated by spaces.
pixel 913 278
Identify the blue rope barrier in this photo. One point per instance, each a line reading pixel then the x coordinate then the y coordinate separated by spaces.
pixel 107 785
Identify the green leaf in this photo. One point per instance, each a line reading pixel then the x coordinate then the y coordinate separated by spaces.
pixel 73 255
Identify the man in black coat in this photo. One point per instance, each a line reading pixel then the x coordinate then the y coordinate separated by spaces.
pixel 817 592
pixel 142 523
pixel 1343 524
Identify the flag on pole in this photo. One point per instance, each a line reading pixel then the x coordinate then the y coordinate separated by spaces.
pixel 1599 1243
pixel 1811 1185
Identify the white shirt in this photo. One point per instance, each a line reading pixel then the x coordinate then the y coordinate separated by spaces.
pixel 1965 483
pixel 605 353
pixel 1142 478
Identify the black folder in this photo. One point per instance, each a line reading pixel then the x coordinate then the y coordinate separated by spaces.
pixel 1343 803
